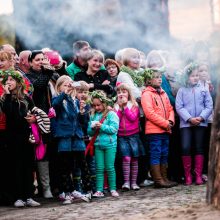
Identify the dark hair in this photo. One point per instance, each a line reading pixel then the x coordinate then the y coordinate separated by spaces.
pixel 78 45
pixel 33 54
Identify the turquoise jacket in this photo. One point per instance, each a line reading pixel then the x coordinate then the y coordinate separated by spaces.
pixel 107 137
pixel 73 69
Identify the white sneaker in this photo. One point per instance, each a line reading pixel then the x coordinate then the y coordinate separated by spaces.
pixel 68 200
pixel 135 187
pixel 78 195
pixel 48 194
pixel 147 183
pixel 30 202
pixel 19 203
pixel 62 196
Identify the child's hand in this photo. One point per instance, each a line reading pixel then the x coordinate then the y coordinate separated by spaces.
pixel 194 121
pixel 30 118
pixel 97 125
pixel 122 101
pixel 6 89
pixel 82 105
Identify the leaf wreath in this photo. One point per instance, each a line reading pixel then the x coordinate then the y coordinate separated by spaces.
pixel 136 76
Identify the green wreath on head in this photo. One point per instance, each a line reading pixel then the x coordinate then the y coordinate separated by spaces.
pixel 99 94
pixel 13 73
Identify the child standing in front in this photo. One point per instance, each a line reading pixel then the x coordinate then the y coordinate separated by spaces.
pixel 68 131
pixel 194 106
pixel 15 104
pixel 104 124
pixel 159 121
pixel 129 143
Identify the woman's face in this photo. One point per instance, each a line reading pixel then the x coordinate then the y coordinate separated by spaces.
pixel 37 62
pixel 98 105
pixel 134 62
pixel 6 64
pixel 12 84
pixel 194 77
pixel 112 70
pixel 95 63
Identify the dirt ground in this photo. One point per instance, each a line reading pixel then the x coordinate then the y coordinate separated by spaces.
pixel 181 202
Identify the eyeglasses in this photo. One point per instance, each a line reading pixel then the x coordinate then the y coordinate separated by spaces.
pixel 111 67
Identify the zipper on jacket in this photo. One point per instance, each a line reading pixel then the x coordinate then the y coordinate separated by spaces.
pixel 163 107
pixel 193 90
pixel 123 117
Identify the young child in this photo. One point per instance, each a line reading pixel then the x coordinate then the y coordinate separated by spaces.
pixel 159 121
pixel 82 94
pixel 68 131
pixel 104 123
pixel 15 104
pixel 194 106
pixel 129 143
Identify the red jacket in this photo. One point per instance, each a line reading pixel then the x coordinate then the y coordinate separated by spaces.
pixel 157 109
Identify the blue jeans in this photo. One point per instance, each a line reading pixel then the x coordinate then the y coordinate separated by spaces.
pixel 159 147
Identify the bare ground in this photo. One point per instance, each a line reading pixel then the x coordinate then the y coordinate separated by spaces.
pixel 181 202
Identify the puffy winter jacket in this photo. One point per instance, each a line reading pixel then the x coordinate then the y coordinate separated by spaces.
pixel 157 109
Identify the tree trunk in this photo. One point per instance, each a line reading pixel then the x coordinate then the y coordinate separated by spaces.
pixel 213 186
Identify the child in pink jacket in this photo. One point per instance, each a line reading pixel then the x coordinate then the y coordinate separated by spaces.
pixel 129 144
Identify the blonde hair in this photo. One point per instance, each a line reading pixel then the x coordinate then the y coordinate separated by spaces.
pixel 97 53
pixel 126 87
pixel 83 86
pixel 151 55
pixel 128 53
pixel 60 81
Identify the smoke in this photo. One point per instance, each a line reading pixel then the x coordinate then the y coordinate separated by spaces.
pixel 108 25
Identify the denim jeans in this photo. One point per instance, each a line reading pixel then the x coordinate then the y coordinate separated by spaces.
pixel 158 146
pixel 193 137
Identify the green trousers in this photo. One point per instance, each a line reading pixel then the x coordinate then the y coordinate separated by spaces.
pixel 105 161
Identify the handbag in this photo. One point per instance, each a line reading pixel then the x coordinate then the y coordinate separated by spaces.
pixel 90 146
pixel 36 138
pixel 51 112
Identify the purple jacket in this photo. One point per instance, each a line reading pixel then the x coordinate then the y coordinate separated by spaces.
pixel 191 102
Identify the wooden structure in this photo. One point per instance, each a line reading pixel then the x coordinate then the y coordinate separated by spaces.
pixel 213 185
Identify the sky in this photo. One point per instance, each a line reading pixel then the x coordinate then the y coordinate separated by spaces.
pixel 188 19
pixel 6 7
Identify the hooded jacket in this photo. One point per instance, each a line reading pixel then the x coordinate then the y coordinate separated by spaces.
pixel 157 109
pixel 194 101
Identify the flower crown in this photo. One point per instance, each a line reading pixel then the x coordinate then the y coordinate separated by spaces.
pixel 189 68
pixel 149 73
pixel 99 94
pixel 13 73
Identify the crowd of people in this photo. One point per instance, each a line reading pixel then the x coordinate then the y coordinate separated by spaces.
pixel 83 130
